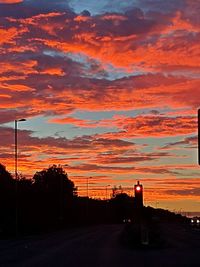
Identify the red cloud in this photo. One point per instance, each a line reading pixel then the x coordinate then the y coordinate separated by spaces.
pixel 113 43
pixel 189 142
pixel 145 126
pixel 74 121
pixel 132 159
pixel 25 68
pixel 7 35
pixel 10 1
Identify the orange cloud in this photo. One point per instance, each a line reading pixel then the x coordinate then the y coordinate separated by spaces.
pixel 139 126
pixel 25 68
pixel 120 51
pixel 74 121
pixel 146 126
pixel 7 35
pixel 53 71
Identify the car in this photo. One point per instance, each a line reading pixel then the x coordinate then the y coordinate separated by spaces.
pixel 127 220
pixel 195 221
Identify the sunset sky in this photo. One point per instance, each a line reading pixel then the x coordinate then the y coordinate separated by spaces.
pixel 110 90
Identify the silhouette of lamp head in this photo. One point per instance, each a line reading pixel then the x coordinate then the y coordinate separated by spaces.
pixel 21 120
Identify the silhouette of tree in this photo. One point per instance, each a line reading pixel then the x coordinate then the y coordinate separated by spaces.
pixel 116 191
pixel 7 200
pixel 54 195
pixel 6 180
pixel 54 180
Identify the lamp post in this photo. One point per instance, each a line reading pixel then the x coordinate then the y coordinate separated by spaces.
pixel 107 203
pixel 156 204
pixel 107 191
pixel 87 186
pixel 16 176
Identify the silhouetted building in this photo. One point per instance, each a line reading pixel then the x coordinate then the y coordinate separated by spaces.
pixel 138 189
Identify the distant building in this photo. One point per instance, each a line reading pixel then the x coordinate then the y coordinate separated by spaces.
pixel 138 189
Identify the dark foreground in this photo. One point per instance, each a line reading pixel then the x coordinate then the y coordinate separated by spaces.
pixel 98 246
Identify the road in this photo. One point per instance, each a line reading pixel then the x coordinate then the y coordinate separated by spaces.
pixel 96 246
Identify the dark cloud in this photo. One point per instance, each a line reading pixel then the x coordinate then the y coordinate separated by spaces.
pixel 157 170
pixel 112 142
pixel 84 142
pixel 29 8
pixel 116 159
pixel 85 13
pixel 185 192
pixel 154 112
pixel 9 115
pixel 119 169
pixel 188 142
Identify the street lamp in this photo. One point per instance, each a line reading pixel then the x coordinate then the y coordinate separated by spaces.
pixel 16 176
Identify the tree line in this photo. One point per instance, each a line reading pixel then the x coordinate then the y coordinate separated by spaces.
pixel 49 201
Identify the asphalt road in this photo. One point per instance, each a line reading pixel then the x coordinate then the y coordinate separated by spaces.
pixel 96 246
